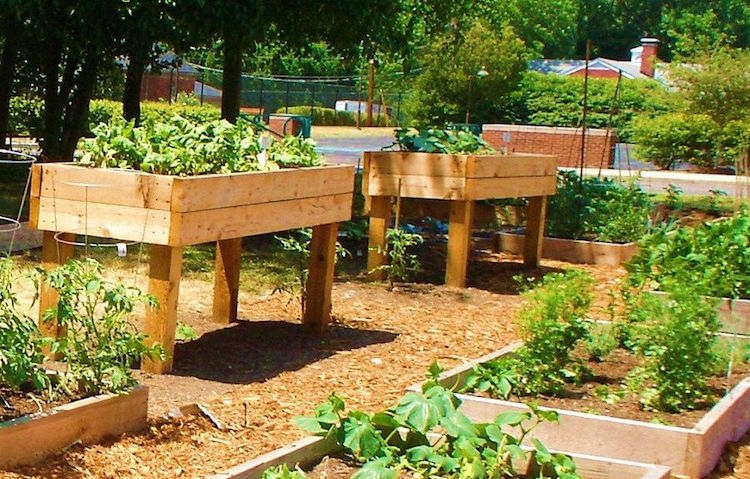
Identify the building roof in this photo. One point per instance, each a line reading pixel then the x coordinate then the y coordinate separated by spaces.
pixel 569 67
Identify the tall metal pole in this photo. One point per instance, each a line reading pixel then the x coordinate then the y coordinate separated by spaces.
pixel 585 108
pixel 370 92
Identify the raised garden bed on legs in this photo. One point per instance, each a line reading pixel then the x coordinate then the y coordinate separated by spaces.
pixel 172 212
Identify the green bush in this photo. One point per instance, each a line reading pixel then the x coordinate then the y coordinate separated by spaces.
pixel 26 116
pixel 329 117
pixel 677 137
pixel 555 100
pixel 597 208
pixel 734 141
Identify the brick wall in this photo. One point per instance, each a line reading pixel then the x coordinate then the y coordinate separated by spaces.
pixel 563 142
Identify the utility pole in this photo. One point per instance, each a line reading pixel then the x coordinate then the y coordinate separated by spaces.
pixel 370 92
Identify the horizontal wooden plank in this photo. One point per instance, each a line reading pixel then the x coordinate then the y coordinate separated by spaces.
pixel 247 220
pixel 128 223
pixel 500 166
pixel 105 186
pixel 514 187
pixel 418 164
pixel 411 186
pixel 237 189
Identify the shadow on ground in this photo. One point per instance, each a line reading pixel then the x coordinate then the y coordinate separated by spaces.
pixel 251 351
pixel 492 273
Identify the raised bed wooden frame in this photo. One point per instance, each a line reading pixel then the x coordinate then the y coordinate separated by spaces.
pixel 573 251
pixel 30 439
pixel 171 212
pixel 309 451
pixel 460 179
pixel 689 452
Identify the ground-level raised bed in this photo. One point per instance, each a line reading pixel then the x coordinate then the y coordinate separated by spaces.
pixel 171 212
pixel 573 251
pixel 309 451
pixel 460 180
pixel 30 439
pixel 734 315
pixel 689 452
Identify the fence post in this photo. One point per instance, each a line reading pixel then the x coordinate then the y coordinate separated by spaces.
pixel 286 100
pixel 261 110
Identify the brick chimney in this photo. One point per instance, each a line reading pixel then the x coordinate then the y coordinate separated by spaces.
pixel 648 55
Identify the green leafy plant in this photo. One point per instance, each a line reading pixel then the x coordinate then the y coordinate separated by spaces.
pixel 674 197
pixel 676 338
pixel 21 342
pixel 714 258
pixel 599 343
pixel 184 332
pixel 98 344
pixel 426 435
pixel 181 147
pixel 283 472
pixel 434 140
pixel 401 262
pixel 551 324
pixel 298 245
pixel 677 137
pixel 597 208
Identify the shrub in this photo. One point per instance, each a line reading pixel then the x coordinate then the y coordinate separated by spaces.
pixel 26 115
pixel 329 117
pixel 677 137
pixel 714 258
pixel 599 208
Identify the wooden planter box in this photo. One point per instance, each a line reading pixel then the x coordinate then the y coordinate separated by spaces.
pixel 734 315
pixel 461 180
pixel 309 451
pixel 30 439
pixel 689 452
pixel 459 177
pixel 181 211
pixel 572 251
pixel 171 212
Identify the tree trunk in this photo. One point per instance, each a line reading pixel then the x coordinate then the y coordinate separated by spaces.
pixel 131 98
pixel 7 68
pixel 232 81
pixel 77 116
pixel 53 107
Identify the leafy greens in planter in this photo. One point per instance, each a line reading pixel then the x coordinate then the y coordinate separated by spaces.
pixel 180 147
pixel 714 258
pixel 434 140
pixel 597 208
pixel 425 435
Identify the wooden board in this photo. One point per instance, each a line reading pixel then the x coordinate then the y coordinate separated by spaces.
pixel 31 439
pixel 517 164
pixel 412 186
pixel 418 164
pixel 510 187
pixel 308 451
pixel 689 452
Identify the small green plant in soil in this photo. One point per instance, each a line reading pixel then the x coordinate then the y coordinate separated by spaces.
pixel 21 342
pixel 598 209
pixel 98 345
pixel 714 258
pixel 298 245
pixel 552 323
pixel 599 343
pixel 402 263
pixel 425 435
pixel 435 140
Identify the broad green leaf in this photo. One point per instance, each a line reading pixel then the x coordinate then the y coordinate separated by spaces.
pixel 511 418
pixel 457 424
pixel 310 425
pixel 418 412
pixel 375 470
pixel 360 436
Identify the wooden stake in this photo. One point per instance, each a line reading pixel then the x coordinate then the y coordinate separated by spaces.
pixel 380 219
pixel 54 254
pixel 320 278
pixel 459 242
pixel 164 284
pixel 227 280
pixel 535 218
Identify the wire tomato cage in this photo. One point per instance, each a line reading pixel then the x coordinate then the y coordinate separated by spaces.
pixel 9 224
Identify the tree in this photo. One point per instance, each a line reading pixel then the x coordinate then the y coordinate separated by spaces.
pixel 449 85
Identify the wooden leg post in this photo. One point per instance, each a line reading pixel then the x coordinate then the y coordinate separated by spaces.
pixel 459 243
pixel 227 280
pixel 164 284
pixel 320 278
pixel 380 219
pixel 54 254
pixel 535 218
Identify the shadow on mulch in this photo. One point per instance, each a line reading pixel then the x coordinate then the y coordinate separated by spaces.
pixel 252 351
pixel 494 274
